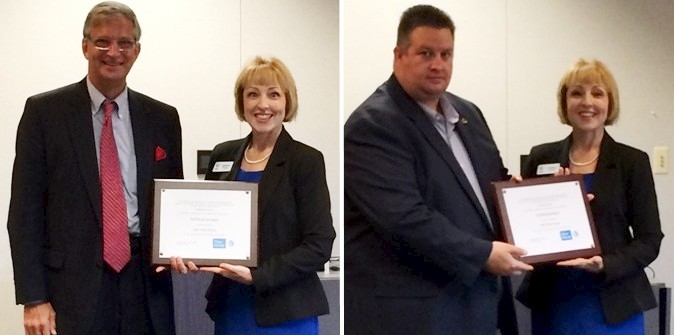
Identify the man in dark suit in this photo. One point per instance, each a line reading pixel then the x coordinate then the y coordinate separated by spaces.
pixel 84 153
pixel 421 249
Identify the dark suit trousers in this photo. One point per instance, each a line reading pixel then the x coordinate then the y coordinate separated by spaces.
pixel 420 315
pixel 122 308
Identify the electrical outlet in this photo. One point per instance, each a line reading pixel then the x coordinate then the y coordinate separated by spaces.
pixel 660 160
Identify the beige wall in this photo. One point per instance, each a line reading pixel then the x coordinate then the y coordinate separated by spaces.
pixel 191 53
pixel 510 56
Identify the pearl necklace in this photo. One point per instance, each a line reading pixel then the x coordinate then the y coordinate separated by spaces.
pixel 245 157
pixel 583 163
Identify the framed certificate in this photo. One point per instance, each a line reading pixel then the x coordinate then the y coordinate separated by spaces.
pixel 206 222
pixel 549 217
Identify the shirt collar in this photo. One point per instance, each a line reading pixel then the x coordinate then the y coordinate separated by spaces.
pixel 97 99
pixel 446 111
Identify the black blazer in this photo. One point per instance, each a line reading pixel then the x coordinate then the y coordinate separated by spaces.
pixel 295 231
pixel 55 208
pixel 624 200
pixel 414 229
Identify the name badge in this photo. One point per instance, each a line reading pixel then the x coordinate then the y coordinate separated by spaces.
pixel 544 169
pixel 223 166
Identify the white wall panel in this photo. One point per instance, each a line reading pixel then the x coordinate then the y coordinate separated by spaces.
pixel 191 54
pixel 510 56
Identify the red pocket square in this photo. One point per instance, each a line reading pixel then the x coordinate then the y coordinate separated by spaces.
pixel 159 154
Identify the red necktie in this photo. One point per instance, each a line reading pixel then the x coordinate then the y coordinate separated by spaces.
pixel 116 249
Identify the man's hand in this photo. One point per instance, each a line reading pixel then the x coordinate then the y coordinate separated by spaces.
pixel 504 260
pixel 39 319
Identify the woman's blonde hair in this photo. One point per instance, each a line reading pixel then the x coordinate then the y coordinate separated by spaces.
pixel 264 71
pixel 594 72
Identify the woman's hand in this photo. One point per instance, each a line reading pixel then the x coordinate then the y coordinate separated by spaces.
pixel 238 273
pixel 563 171
pixel 594 264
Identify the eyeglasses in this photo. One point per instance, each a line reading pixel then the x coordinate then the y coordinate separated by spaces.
pixel 104 45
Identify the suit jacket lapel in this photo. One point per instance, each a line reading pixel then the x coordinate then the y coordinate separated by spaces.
pixel 563 153
pixel 416 113
pixel 606 162
pixel 231 176
pixel 80 125
pixel 606 159
pixel 275 171
pixel 141 125
pixel 604 175
pixel 464 131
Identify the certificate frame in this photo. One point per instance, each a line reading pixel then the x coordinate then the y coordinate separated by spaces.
pixel 201 187
pixel 571 186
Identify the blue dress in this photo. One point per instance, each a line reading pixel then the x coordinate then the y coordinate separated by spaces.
pixel 575 306
pixel 236 315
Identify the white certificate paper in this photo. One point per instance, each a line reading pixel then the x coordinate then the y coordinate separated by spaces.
pixel 548 217
pixel 205 221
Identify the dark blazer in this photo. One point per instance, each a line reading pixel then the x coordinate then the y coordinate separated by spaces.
pixel 295 231
pixel 416 238
pixel 55 209
pixel 624 200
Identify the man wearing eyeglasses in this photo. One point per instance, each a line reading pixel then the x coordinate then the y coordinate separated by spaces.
pixel 80 210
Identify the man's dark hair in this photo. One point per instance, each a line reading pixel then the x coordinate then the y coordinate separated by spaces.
pixel 421 16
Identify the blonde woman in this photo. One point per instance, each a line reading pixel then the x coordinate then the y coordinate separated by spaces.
pixel 607 293
pixel 283 295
